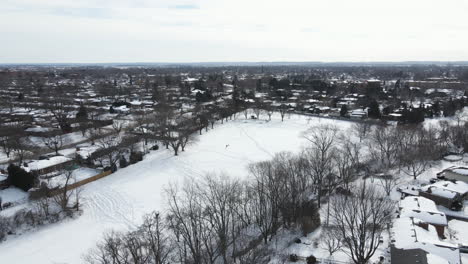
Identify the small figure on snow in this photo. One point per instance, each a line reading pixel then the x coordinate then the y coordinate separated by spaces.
pixel 227 145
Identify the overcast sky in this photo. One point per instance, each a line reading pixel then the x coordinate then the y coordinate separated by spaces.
pixel 46 31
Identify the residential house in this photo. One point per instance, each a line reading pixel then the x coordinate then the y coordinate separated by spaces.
pixel 426 211
pixel 413 242
pixel 450 194
pixel 454 173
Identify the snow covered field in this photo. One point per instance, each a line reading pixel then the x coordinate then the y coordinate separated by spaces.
pixel 119 200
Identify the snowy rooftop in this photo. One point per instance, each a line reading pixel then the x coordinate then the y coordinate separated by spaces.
pixel 41 164
pixel 447 189
pixel 38 129
pixel 135 102
pixel 408 235
pixel 458 170
pixel 422 208
pixel 418 203
pixel 86 151
pixel 463 171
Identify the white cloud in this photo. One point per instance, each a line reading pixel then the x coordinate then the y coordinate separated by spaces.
pixel 224 30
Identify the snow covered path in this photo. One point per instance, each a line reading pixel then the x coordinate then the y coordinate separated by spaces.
pixel 120 200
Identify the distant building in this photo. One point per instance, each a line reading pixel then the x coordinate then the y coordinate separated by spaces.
pixel 358 114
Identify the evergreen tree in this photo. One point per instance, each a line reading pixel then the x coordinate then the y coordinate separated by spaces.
pixel 82 113
pixel 20 178
pixel 343 111
pixel 436 108
pixel 374 109
pixel 123 162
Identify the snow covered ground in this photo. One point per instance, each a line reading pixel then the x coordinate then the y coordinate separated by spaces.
pixel 460 235
pixel 119 200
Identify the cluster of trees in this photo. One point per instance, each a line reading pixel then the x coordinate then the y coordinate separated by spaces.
pixel 357 223
pixel 175 128
pixel 207 222
pixel 410 148
pixel 218 219
pixel 212 219
pixel 14 142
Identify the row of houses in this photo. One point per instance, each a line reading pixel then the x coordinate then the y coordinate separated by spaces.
pixel 420 233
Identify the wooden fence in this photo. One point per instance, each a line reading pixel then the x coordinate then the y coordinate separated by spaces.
pixel 81 183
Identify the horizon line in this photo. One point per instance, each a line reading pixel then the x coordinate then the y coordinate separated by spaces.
pixel 234 63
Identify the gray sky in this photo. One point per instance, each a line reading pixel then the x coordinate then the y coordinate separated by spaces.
pixel 232 30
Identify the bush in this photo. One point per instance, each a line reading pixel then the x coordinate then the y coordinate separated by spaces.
pixel 155 147
pixel 20 178
pixel 311 260
pixel 293 258
pixel 135 157
pixel 113 168
pixel 309 218
pixel 123 162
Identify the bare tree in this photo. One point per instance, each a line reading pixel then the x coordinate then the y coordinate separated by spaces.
pixel 158 244
pixel 93 134
pixel 383 146
pixel 388 183
pixel 22 148
pixel 53 143
pixel 344 167
pixel 258 107
pixel 266 196
pixel 246 113
pixel 65 193
pixel 60 113
pixel 118 126
pixel 109 150
pixel 361 129
pixel 220 197
pixel 283 109
pixel 415 148
pixel 9 137
pixel 179 133
pixel 187 219
pixel 360 221
pixel 320 154
pixel 149 244
pixel 331 240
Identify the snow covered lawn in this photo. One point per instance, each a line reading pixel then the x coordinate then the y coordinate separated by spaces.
pixel 119 200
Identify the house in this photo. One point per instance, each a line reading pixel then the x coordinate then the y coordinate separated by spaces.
pixel 454 173
pixel 450 194
pixel 424 210
pixel 45 166
pixel 358 114
pixel 413 242
pixel 394 117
